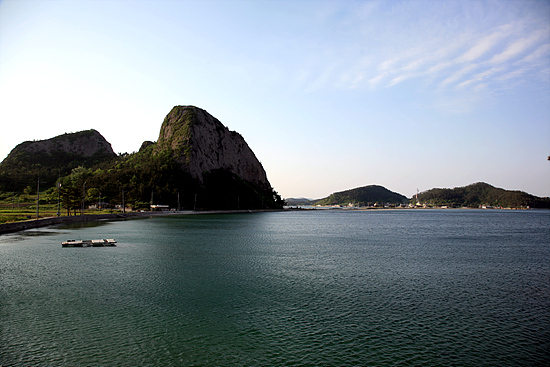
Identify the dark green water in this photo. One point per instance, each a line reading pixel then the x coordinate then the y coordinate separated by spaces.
pixel 316 288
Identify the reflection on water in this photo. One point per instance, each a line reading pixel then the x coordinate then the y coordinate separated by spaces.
pixel 79 225
pixel 392 288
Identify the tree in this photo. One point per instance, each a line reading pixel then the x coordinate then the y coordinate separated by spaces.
pixel 72 189
pixel 28 190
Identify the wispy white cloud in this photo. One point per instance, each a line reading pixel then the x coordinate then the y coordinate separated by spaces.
pixel 499 66
pixel 400 79
pixel 543 52
pixel 459 74
pixel 488 61
pixel 373 82
pixel 485 44
pixel 537 61
pixel 512 75
pixel 443 47
pixel 519 46
pixel 438 67
pixel 480 77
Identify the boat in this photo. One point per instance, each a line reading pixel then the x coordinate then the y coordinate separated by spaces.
pixel 89 243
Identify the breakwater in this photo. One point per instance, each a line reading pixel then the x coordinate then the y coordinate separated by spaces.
pixel 44 222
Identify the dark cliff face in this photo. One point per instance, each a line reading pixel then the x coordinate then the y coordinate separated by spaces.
pixel 201 144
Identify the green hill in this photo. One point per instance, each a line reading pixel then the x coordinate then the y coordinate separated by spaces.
pixel 52 158
pixel 479 194
pixel 364 196
pixel 298 201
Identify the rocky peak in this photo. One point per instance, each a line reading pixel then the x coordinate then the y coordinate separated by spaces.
pixel 84 143
pixel 201 143
pixel 48 159
pixel 145 145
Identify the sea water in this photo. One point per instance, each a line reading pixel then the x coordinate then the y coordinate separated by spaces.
pixel 300 288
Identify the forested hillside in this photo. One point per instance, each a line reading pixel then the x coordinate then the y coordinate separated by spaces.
pixel 364 196
pixel 50 159
pixel 479 194
pixel 143 178
pixel 197 163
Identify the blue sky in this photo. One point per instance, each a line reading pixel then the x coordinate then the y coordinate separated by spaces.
pixel 330 95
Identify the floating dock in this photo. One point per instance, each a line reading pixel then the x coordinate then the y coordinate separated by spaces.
pixel 89 243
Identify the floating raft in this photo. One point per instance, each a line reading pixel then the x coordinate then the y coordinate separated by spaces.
pixel 89 243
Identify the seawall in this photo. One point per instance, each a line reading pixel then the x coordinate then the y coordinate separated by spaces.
pixel 44 222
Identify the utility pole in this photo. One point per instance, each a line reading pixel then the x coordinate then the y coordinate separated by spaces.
pixel 58 199
pixel 83 197
pixel 38 197
pixel 123 205
pixel 178 201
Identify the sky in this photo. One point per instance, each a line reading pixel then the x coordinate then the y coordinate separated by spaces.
pixel 330 95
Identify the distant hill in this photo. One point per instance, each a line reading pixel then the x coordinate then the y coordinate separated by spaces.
pixel 51 158
pixel 481 193
pixel 364 196
pixel 298 201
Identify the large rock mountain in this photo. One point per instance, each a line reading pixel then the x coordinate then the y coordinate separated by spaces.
pixel 84 143
pixel 200 143
pixel 47 159
pixel 197 162
pixel 215 166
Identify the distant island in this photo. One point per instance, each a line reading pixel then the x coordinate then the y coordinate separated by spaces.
pixel 477 195
pixel 372 195
pixel 481 194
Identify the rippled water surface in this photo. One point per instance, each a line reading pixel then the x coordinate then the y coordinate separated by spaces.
pixel 313 288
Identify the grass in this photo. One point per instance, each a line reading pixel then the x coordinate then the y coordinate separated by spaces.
pixel 12 218
pixel 27 211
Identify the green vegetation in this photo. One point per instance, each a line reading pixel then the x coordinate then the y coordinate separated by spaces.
pixel 299 201
pixel 175 132
pixel 478 194
pixel 22 168
pixel 22 206
pixel 148 178
pixel 364 196
pixel 139 179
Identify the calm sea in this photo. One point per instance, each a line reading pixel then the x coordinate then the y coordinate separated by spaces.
pixel 311 288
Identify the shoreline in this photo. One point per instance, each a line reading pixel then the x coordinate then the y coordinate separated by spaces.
pixel 343 208
pixel 13 227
